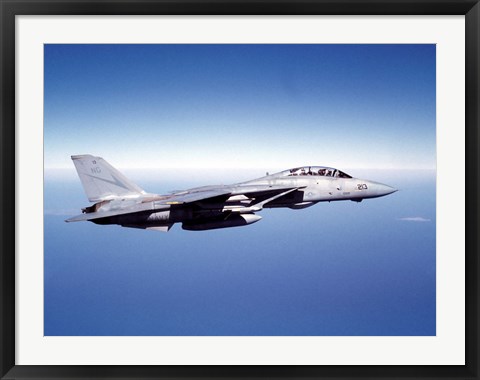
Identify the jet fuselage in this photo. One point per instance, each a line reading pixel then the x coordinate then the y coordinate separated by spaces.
pixel 119 201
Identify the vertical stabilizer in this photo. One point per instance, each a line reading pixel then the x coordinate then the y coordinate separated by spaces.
pixel 101 180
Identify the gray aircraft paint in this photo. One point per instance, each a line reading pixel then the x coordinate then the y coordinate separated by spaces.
pixel 120 201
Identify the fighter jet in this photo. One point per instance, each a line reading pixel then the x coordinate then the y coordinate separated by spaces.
pixel 117 200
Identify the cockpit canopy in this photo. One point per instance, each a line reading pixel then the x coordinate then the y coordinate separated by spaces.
pixel 315 170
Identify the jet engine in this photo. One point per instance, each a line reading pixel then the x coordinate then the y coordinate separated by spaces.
pixel 234 220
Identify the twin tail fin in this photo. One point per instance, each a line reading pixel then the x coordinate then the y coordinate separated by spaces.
pixel 101 181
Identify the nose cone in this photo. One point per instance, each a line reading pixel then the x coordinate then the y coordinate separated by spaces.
pixel 380 190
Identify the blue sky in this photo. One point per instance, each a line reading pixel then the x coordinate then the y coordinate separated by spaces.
pixel 241 106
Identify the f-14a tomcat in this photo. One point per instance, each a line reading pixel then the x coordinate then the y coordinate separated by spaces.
pixel 117 200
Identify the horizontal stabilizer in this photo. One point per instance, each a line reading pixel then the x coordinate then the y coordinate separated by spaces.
pixel 148 206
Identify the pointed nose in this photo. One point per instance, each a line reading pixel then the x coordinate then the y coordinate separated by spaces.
pixel 380 190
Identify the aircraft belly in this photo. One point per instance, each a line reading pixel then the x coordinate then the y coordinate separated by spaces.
pixel 180 214
pixel 235 220
pixel 146 219
pixel 137 219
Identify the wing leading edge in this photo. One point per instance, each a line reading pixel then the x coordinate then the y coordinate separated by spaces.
pixel 260 195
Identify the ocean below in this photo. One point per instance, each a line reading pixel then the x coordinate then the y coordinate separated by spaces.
pixel 334 269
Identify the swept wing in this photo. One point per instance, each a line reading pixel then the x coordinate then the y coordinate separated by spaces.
pixel 194 196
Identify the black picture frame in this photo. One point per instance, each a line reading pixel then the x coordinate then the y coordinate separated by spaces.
pixel 10 8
